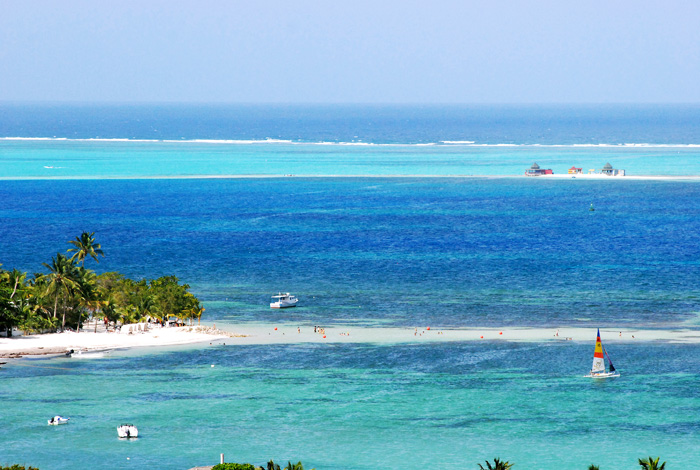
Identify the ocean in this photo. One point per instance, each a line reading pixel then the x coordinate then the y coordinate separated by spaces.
pixel 369 214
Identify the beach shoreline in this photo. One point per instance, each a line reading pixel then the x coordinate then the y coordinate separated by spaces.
pixel 269 334
pixel 87 341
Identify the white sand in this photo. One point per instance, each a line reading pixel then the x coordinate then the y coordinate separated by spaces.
pixel 258 334
pixel 286 334
pixel 58 343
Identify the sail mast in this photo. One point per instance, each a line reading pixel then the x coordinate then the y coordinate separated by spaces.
pixel 612 367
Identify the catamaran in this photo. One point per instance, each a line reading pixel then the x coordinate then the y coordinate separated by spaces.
pixel 598 369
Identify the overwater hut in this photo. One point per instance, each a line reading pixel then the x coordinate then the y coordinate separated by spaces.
pixel 535 170
pixel 575 171
pixel 610 171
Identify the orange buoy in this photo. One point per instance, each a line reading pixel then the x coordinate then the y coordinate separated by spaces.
pixel 428 328
pixel 500 332
pixel 482 336
pixel 275 328
pixel 324 336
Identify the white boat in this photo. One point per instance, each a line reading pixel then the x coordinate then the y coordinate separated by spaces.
pixel 283 300
pixel 56 420
pixel 598 370
pixel 87 354
pixel 127 431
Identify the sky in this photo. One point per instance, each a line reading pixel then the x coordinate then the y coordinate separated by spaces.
pixel 338 51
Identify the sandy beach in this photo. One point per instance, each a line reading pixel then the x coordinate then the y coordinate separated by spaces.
pixel 59 343
pixel 260 334
pixel 271 334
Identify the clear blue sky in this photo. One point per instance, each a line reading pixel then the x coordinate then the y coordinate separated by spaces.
pixel 299 51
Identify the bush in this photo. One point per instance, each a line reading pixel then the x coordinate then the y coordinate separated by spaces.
pixel 18 467
pixel 234 466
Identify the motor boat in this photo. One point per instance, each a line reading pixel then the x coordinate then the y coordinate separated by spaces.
pixel 283 300
pixel 127 431
pixel 87 354
pixel 56 420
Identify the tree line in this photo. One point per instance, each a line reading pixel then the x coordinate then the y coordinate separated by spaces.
pixel 69 293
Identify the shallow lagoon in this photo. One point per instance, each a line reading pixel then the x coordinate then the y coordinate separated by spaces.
pixel 356 406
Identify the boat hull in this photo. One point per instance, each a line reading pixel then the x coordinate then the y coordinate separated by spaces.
pixel 604 375
pixel 277 305
pixel 56 422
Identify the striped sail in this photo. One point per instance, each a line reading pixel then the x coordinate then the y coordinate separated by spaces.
pixel 598 361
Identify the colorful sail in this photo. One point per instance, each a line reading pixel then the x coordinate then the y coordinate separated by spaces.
pixel 598 360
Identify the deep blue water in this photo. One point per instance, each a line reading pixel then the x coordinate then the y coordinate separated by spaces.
pixel 450 252
pixel 483 124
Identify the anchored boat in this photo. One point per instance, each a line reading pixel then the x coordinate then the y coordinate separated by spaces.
pixel 598 370
pixel 56 420
pixel 127 431
pixel 283 300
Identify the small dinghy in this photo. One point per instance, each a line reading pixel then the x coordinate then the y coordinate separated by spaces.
pixel 598 370
pixel 127 431
pixel 56 420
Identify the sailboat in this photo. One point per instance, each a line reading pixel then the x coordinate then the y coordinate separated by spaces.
pixel 598 369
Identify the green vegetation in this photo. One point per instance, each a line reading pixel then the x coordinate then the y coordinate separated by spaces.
pixel 234 466
pixel 652 464
pixel 18 467
pixel 247 466
pixel 69 293
pixel 593 467
pixel 497 465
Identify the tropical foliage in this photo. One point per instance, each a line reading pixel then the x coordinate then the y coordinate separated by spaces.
pixel 234 466
pixel 652 464
pixel 593 467
pixel 68 293
pixel 497 465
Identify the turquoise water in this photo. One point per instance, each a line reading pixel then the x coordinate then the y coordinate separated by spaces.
pixel 115 159
pixel 449 252
pixel 357 406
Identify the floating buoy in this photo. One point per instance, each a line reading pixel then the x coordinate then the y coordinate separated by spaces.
pixel 324 336
pixel 275 328
pixel 428 328
pixel 212 365
pixel 500 332
pixel 482 336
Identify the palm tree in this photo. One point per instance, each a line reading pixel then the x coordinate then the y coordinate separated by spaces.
pixel 651 464
pixel 272 466
pixel 295 466
pixel 593 467
pixel 85 246
pixel 15 279
pixel 497 465
pixel 87 293
pixel 61 281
